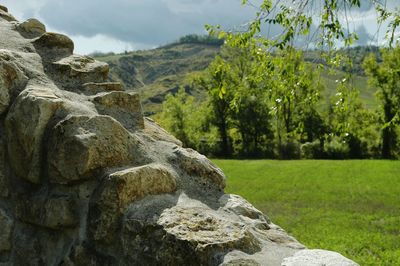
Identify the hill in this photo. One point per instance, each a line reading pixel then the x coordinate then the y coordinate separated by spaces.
pixel 157 72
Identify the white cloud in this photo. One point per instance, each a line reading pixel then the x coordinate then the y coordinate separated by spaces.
pixel 104 24
pixel 102 43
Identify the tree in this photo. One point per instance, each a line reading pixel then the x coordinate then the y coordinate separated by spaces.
pixel 176 115
pixel 386 76
pixel 215 82
pixel 251 113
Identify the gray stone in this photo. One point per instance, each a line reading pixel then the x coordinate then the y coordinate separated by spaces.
pixel 53 45
pixel 317 257
pixel 123 106
pixel 198 165
pixel 10 78
pixel 92 88
pixel 95 142
pixel 26 123
pixel 123 187
pixel 241 262
pixel 32 27
pixel 74 71
pixel 5 9
pixel 154 130
pixel 5 15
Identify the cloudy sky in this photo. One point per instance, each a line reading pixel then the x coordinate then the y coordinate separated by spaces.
pixel 118 25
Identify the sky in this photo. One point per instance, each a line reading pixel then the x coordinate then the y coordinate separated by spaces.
pixel 125 25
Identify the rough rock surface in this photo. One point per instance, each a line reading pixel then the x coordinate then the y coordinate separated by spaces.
pixel 86 180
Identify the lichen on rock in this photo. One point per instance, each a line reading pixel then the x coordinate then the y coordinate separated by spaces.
pixel 85 179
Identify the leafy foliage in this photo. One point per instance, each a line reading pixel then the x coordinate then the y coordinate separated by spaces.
pixel 386 77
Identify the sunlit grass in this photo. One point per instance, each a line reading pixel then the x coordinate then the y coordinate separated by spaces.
pixel 352 207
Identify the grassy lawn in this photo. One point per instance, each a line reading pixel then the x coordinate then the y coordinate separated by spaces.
pixel 352 207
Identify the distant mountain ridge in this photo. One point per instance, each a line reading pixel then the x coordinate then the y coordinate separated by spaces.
pixel 157 72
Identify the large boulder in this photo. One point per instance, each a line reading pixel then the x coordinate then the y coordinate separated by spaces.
pixel 11 78
pixel 80 145
pixel 26 123
pixel 123 106
pixel 86 180
pixel 124 187
pixel 32 28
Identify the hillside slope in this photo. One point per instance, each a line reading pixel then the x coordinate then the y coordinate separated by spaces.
pixel 156 73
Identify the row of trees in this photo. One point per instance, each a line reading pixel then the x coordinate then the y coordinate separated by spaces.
pixel 269 105
pixel 264 100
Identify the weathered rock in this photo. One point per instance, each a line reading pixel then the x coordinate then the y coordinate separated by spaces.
pixel 95 142
pixel 316 257
pixel 74 71
pixel 242 207
pixel 92 88
pixel 55 212
pixel 10 78
pixel 123 106
pixel 208 230
pixel 54 45
pixel 152 129
pixel 6 225
pixel 5 15
pixel 5 9
pixel 26 123
pixel 32 28
pixel 195 164
pixel 121 188
pixel 241 262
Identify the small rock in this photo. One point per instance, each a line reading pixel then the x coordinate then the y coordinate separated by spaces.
pixel 32 27
pixel 207 229
pixel 317 257
pixel 123 106
pixel 92 88
pixel 80 145
pixel 195 164
pixel 154 130
pixel 123 187
pixel 241 262
pixel 242 207
pixel 76 70
pixel 5 9
pixel 53 45
pixel 5 15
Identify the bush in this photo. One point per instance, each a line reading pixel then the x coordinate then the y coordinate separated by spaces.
pixel 290 150
pixel 311 150
pixel 336 148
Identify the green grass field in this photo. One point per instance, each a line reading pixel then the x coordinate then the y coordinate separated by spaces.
pixel 352 207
